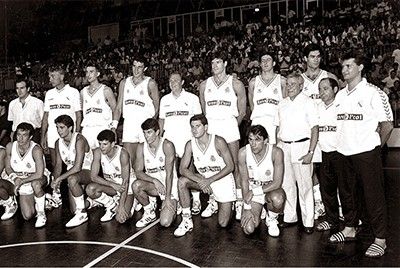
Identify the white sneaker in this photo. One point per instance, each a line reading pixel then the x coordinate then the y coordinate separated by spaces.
pixel 263 214
pixel 40 220
pixel 210 209
pixel 319 209
pixel 148 217
pixel 10 210
pixel 273 229
pixel 53 200
pixel 196 207
pixel 92 203
pixel 185 226
pixel 110 213
pixel 238 209
pixel 79 218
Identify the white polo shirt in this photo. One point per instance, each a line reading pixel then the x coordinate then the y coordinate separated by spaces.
pixel 327 139
pixel 296 118
pixel 31 112
pixel 358 114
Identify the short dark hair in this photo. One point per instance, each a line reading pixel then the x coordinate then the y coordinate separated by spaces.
pixel 220 54
pixel 21 79
pixel 94 64
pixel 199 117
pixel 258 130
pixel 150 123
pixel 355 54
pixel 106 135
pixel 66 120
pixel 140 58
pixel 332 82
pixel 269 53
pixel 26 127
pixel 311 47
pixel 57 68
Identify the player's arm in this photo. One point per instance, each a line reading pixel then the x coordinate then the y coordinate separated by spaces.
pixel 78 115
pixel 3 157
pixel 201 90
pixel 155 96
pixel 381 108
pixel 283 86
pixel 45 125
pixel 169 151
pixel 224 152
pixel 118 108
pixel 238 87
pixel 37 154
pixel 244 174
pixel 112 103
pixel 8 167
pixel 58 166
pixel 277 161
pixel 161 116
pixel 385 129
pixel 125 174
pixel 95 169
pixel 139 165
pixel 184 169
pixel 251 93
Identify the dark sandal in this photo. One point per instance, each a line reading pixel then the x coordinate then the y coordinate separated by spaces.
pixel 375 251
pixel 339 237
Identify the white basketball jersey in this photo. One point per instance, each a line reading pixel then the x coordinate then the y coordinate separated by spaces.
pixel 68 153
pixel 266 96
pixel 310 87
pixel 262 170
pixel 221 101
pixel 112 166
pixel 207 162
pixel 137 101
pixel 96 111
pixel 154 163
pixel 23 165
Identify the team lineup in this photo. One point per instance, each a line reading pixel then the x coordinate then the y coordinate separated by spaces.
pixel 310 142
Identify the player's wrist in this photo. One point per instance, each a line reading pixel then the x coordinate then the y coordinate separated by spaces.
pixel 246 206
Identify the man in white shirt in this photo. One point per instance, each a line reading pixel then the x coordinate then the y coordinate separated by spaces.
pixel 297 128
pixel 62 99
pixel 365 121
pixel 26 108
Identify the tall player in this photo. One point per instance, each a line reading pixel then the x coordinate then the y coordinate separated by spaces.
pixel 265 92
pixel 138 99
pixel 223 100
pixel 62 99
pixel 98 104
pixel 312 76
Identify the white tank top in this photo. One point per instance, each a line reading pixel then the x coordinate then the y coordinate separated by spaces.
pixel 25 165
pixel 154 163
pixel 221 101
pixel 266 96
pixel 207 162
pixel 96 111
pixel 262 170
pixel 112 166
pixel 310 87
pixel 68 153
pixel 137 101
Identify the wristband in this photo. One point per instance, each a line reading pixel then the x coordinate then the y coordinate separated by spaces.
pixel 246 206
pixel 114 124
pixel 258 190
pixel 12 176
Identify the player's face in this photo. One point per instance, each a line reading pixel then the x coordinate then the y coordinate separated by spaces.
pixel 218 66
pixel 175 83
pixel 91 74
pixel 23 137
pixel 350 69
pixel 22 90
pixel 137 69
pixel 198 129
pixel 314 59
pixel 150 135
pixel 56 78
pixel 106 146
pixel 267 63
pixel 293 86
pixel 62 130
pixel 256 142
pixel 326 92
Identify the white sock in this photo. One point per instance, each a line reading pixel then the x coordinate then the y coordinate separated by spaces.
pixel 39 203
pixel 148 207
pixel 9 201
pixel 196 196
pixel 272 215
pixel 239 194
pixel 186 212
pixel 79 202
pixel 105 199
pixel 317 193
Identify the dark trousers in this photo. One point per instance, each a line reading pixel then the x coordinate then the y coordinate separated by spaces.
pixel 369 176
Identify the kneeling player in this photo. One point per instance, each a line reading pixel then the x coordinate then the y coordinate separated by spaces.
pixel 261 170
pixel 25 167
pixel 114 189
pixel 157 157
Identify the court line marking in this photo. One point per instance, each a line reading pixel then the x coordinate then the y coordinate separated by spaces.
pixel 158 253
pixel 126 241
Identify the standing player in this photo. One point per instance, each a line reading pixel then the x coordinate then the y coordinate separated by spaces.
pixel 176 109
pixel 114 189
pixel 261 170
pixel 312 76
pixel 98 104
pixel 62 99
pixel 223 101
pixel 215 165
pixel 138 99
pixel 265 92
pixel 157 157
pixel 25 167
pixel 73 149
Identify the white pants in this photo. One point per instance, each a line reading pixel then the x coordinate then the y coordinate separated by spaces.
pixel 296 172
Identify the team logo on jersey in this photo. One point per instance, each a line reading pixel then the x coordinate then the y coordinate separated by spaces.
pixel 98 101
pixel 209 90
pixel 259 90
pixel 85 101
pixel 28 165
pixel 127 91
pixel 305 88
pixel 186 104
pixel 15 161
pixel 212 158
pixel 117 168
pixel 147 161
pixel 161 159
pixel 198 158
pixel 227 90
pixel 268 172
pixel 141 92
pixel 275 91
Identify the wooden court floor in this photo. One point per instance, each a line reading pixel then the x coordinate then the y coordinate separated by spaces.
pixel 120 245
